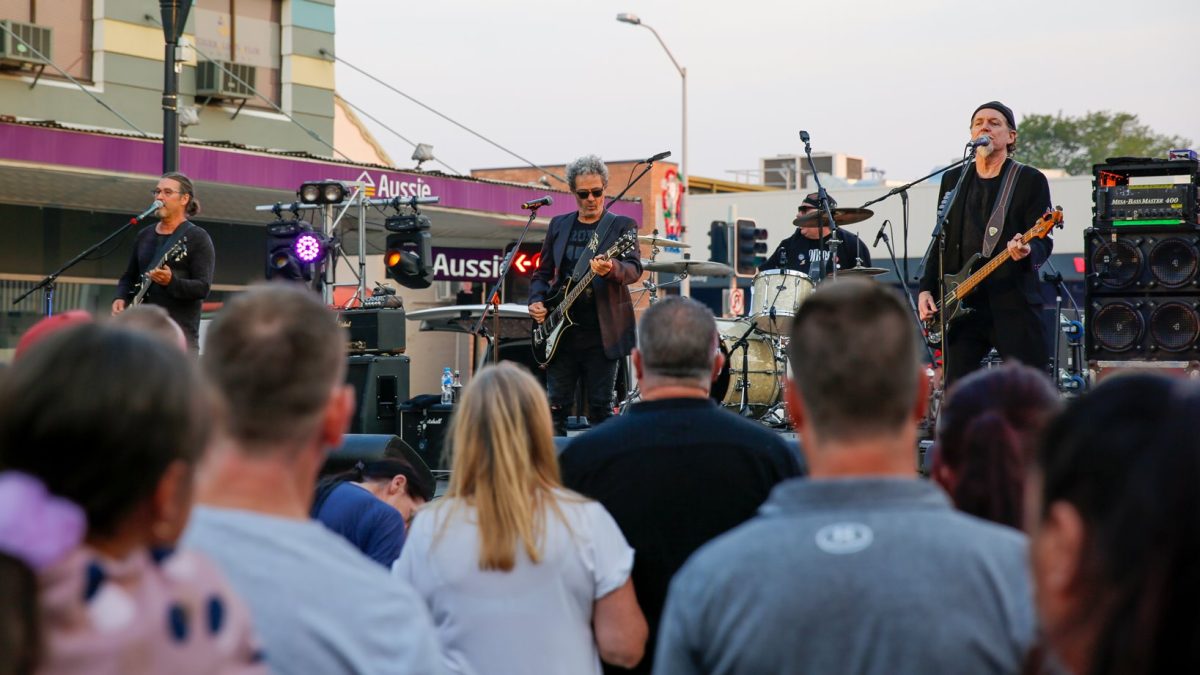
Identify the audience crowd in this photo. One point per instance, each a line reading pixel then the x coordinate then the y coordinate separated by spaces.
pixel 160 514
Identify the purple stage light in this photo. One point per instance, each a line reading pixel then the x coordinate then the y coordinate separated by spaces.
pixel 308 248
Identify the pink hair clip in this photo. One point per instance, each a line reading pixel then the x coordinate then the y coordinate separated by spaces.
pixel 37 527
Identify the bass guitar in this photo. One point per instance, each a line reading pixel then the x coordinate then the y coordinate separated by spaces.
pixel 174 254
pixel 548 334
pixel 958 286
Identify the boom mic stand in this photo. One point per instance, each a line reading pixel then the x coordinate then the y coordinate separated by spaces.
pixel 47 282
pixel 823 198
pixel 492 303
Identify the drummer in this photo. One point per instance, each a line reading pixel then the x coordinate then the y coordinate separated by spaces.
pixel 807 250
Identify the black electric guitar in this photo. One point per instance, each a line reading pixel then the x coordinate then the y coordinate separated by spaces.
pixel 174 254
pixel 548 334
pixel 958 286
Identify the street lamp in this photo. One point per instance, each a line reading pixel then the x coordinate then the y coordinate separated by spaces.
pixel 174 16
pixel 632 19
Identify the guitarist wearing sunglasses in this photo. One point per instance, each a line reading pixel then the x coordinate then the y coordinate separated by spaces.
pixel 172 260
pixel 1000 199
pixel 602 315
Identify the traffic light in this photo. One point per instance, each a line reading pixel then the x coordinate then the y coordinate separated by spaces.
pixel 409 256
pixel 718 242
pixel 750 249
pixel 295 251
pixel 524 263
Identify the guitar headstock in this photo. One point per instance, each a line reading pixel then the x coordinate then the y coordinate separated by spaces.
pixel 625 242
pixel 1052 219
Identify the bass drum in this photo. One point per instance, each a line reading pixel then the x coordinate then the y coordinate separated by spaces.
pixel 764 369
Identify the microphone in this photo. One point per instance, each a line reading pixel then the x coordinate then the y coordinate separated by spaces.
pixel 979 142
pixel 145 214
pixel 538 203
pixel 655 158
pixel 879 235
pixel 804 136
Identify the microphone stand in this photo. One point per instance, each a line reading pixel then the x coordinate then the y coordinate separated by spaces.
pixel 939 235
pixel 823 198
pixel 47 282
pixel 492 303
pixel 912 304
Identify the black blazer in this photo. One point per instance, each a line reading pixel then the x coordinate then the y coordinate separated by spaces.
pixel 1015 283
pixel 614 306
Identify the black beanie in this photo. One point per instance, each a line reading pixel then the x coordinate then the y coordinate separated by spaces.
pixel 1000 108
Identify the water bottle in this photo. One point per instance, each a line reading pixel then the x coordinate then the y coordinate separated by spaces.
pixel 456 386
pixel 447 386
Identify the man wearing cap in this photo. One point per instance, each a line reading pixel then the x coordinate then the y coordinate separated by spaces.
pixel 1000 199
pixel 808 249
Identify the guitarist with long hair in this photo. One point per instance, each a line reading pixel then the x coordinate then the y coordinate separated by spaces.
pixel 1000 199
pixel 172 260
pixel 601 317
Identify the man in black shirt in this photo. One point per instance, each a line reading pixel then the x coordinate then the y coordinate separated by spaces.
pixel 603 315
pixel 1008 304
pixel 181 282
pixel 677 470
pixel 807 250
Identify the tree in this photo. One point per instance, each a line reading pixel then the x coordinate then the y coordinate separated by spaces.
pixel 1076 143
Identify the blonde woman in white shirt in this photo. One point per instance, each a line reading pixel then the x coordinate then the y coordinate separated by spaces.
pixel 520 574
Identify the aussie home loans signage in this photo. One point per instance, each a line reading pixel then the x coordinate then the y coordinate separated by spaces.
pixel 466 264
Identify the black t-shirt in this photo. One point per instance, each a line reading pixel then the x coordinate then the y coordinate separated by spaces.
pixel 674 474
pixel 980 194
pixel 191 276
pixel 799 253
pixel 583 312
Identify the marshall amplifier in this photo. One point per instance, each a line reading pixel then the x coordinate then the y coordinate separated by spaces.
pixel 424 426
pixel 374 331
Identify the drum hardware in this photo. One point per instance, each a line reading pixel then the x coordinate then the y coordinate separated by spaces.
pixel 787 289
pixel 755 379
pixel 861 271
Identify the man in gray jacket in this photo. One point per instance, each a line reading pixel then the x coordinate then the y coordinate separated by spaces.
pixel 862 568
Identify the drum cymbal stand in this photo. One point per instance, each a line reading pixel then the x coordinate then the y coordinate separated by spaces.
pixel 743 382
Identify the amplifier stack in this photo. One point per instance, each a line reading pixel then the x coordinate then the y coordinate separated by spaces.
pixel 1142 258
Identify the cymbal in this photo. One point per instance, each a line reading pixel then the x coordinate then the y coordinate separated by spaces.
pixel 695 268
pixel 862 271
pixel 846 216
pixel 663 242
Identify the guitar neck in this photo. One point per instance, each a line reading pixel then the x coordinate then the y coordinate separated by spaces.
pixel 982 273
pixel 577 289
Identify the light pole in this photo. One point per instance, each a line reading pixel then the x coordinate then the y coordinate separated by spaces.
pixel 174 16
pixel 633 19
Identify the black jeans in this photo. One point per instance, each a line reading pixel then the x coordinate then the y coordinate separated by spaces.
pixel 580 360
pixel 1018 334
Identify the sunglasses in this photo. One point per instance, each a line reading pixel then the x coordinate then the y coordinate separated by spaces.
pixel 594 192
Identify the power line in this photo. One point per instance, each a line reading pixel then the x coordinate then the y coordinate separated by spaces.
pixel 334 57
pixel 397 133
pixel 257 93
pixel 73 80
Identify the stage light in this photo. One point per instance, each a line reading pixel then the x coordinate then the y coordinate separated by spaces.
pixel 322 192
pixel 409 255
pixel 308 248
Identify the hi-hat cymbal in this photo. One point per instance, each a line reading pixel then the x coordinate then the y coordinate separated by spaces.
pixel 840 216
pixel 695 268
pixel 660 241
pixel 862 271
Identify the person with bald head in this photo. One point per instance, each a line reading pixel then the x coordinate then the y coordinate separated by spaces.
pixel 999 200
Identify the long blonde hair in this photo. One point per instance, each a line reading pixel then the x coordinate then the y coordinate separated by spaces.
pixel 504 464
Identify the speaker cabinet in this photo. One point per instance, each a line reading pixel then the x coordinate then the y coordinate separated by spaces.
pixel 380 384
pixel 1146 327
pixel 424 428
pixel 1141 262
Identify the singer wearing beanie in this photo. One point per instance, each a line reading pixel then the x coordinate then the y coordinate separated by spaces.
pixel 986 217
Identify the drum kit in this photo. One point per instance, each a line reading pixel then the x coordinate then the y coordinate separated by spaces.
pixel 755 345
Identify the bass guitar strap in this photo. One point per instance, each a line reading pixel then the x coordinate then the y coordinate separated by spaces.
pixel 995 223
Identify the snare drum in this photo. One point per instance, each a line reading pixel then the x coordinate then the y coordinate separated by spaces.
pixel 764 370
pixel 783 290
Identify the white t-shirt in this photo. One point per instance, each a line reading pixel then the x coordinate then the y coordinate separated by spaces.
pixel 532 619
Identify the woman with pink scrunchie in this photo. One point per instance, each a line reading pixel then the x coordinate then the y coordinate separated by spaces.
pixel 100 434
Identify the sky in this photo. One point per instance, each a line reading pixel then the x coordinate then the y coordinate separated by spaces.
pixel 892 81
